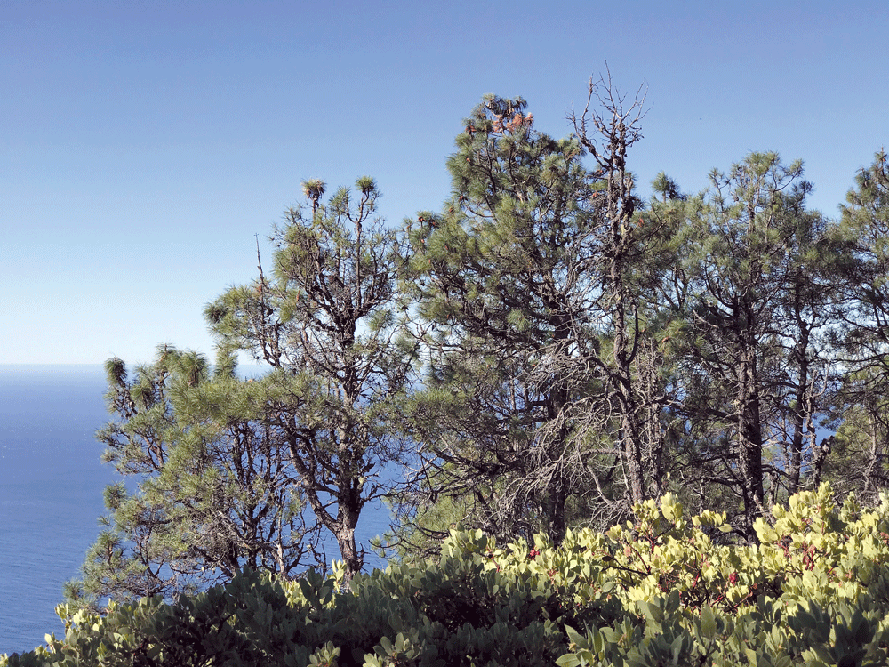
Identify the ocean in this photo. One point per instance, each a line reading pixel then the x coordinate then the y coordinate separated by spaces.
pixel 51 484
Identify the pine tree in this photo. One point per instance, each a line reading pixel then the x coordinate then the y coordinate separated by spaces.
pixel 753 339
pixel 861 459
pixel 526 290
pixel 327 322
pixel 498 306
pixel 214 490
pixel 252 472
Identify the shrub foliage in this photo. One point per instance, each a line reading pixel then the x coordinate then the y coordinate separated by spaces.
pixel 661 589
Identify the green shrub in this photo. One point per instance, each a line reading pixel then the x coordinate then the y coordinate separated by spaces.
pixel 656 591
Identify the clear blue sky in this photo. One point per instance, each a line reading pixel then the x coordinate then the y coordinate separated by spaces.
pixel 145 143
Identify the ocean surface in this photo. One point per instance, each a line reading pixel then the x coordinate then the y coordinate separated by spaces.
pixel 51 484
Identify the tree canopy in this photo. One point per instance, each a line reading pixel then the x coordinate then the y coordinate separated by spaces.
pixel 545 350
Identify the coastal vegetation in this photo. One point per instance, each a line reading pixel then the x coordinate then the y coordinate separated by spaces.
pixel 543 378
pixel 663 589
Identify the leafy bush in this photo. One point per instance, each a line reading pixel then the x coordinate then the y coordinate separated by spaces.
pixel 661 590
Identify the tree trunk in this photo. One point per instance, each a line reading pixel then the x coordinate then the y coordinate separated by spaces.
pixel 345 537
pixel 629 427
pixel 554 507
pixel 750 440
pixel 804 395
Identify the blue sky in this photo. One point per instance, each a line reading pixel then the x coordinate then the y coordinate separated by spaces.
pixel 144 144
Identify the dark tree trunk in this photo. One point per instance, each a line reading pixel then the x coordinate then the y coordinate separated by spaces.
pixel 750 439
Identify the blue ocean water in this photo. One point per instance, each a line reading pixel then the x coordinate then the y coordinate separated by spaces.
pixel 51 484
